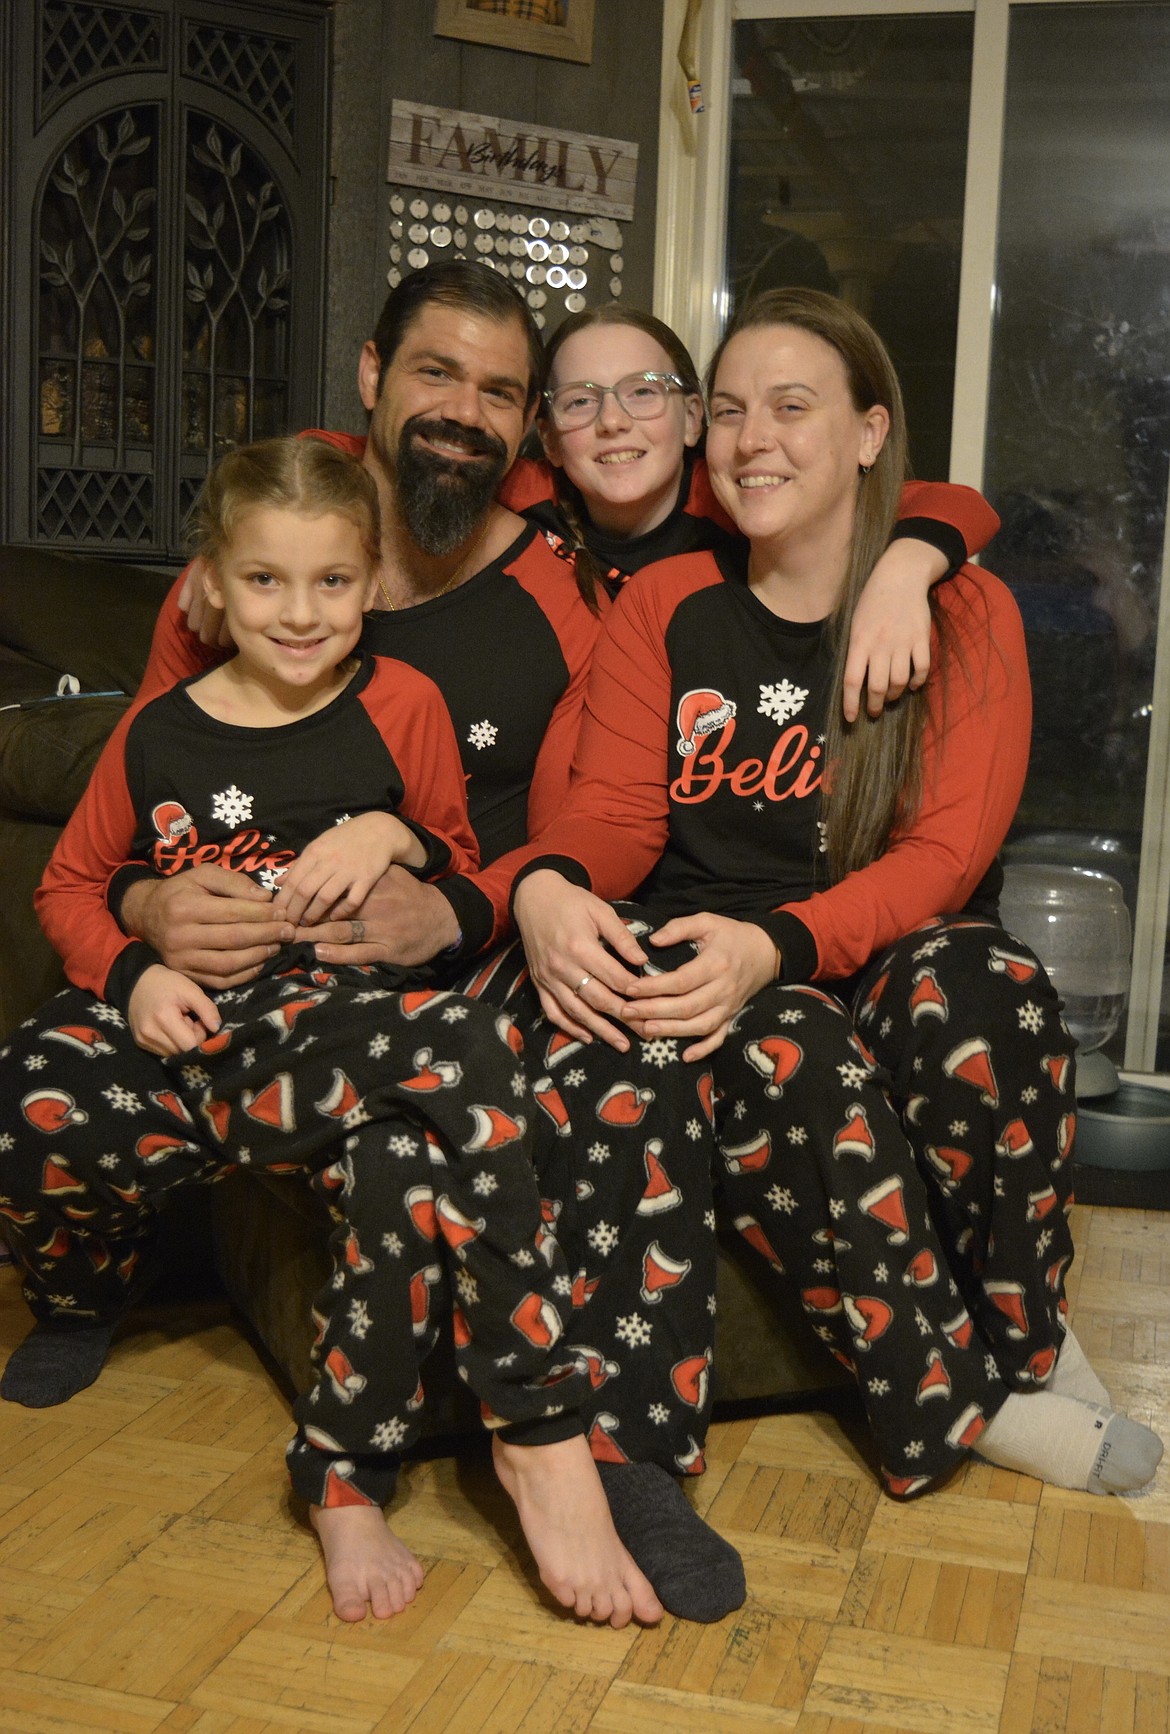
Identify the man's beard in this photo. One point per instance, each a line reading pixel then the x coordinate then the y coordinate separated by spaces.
pixel 442 500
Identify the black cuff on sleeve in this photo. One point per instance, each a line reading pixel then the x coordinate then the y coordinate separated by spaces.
pixel 120 883
pixel 944 537
pixel 798 948
pixel 473 912
pixel 562 864
pixel 544 1430
pixel 130 964
pixel 438 854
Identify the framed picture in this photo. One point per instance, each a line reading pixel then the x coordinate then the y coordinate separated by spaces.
pixel 561 29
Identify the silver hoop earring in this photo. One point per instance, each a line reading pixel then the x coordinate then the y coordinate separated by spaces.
pixel 864 469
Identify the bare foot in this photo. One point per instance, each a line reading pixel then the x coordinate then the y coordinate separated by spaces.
pixel 367 1568
pixel 563 1512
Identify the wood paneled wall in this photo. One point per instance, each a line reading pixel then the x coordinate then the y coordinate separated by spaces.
pixel 386 48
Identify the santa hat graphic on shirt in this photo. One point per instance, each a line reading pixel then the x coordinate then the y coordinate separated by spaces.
pixel 701 712
pixel 171 820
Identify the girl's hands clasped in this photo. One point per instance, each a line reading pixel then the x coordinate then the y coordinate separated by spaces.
pixel 735 959
pixel 570 938
pixel 334 874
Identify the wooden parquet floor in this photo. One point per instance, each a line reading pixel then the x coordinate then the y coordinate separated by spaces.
pixel 152 1575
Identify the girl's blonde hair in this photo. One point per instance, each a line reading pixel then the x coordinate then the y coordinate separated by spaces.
pixel 876 778
pixel 307 476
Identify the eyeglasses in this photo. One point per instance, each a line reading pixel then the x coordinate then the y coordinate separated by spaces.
pixel 643 396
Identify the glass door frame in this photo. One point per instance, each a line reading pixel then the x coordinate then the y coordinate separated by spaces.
pixel 690 294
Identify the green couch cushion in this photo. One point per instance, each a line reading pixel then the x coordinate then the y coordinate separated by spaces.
pixel 47 751
pixel 80 615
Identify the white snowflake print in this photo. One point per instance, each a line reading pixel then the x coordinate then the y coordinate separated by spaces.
pixel 109 1014
pixel 359 1318
pixel 998 1182
pixel 797 1135
pixel 337 1280
pixel 852 1075
pixel 923 1323
pixel 887 1025
pixel 781 701
pixel 740 1109
pixel 392 1245
pixel 659 1414
pixel 989 1367
pixel 914 1449
pixel 957 1128
pixel 599 1152
pixel 36 1062
pixel 824 1333
pixel 792 1016
pixel 388 1434
pixel 270 877
pixel 634 1331
pixel 341 819
pixel 823 1266
pixel 694 1130
pixel 1043 1242
pixel 917 1066
pixel 519 1083
pixel 7 1141
pixel 62 1300
pixel 709 1220
pixel 231 806
pixel 109 1160
pixel 881 1273
pixel 603 1238
pixel 195 1078
pixel 879 1387
pixel 757 806
pixel 508 1360
pixel 485 1184
pixel 454 1014
pixel 243 1154
pixel 379 1045
pixel 930 948
pixel 563 1285
pixel 712 1305
pixel 781 1199
pixel 467 1287
pixel 1029 1093
pixel 126 1100
pixel 482 734
pixel 523 1258
pixel 660 1052
pixel 371 993
pixel 401 1145
pixel 974 1209
pixel 837 1207
pixel 576 1076
pixel 1031 1017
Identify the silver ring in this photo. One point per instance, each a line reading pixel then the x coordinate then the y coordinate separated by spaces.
pixel 357 931
pixel 581 984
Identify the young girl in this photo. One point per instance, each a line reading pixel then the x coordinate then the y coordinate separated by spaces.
pixel 895 1138
pixel 306 767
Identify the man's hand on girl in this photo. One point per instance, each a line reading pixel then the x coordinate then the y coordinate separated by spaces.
pixel 202 618
pixel 402 920
pixel 735 959
pixel 215 926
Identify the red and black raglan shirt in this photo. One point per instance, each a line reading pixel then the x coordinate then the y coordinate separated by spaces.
pixel 954 519
pixel 509 650
pixel 176 788
pixel 701 758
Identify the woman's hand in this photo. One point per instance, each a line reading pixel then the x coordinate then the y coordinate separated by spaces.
pixel 169 1013
pixel 566 932
pixel 201 617
pixel 889 640
pixel 335 873
pixel 735 960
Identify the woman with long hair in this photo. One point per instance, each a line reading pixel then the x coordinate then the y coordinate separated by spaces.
pixel 886 1069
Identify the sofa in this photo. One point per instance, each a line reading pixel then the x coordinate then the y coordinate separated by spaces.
pixel 74 637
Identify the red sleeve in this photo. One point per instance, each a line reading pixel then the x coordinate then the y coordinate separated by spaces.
pixel 71 898
pixel 975 759
pixel 964 509
pixel 408 711
pixel 529 482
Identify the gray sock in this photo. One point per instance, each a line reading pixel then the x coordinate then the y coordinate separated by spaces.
pixel 52 1364
pixel 1070 1444
pixel 1128 1457
pixel 695 1573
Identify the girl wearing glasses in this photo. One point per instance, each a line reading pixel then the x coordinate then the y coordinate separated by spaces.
pixel 622 426
pixel 885 1068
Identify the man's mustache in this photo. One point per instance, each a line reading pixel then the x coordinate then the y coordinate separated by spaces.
pixel 477 442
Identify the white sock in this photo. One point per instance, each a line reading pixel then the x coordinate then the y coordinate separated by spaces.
pixel 1070 1444
pixel 1073 1376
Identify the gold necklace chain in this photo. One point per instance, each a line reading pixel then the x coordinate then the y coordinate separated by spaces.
pixel 459 572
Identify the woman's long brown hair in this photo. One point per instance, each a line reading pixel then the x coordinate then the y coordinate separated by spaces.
pixel 589 569
pixel 875 776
